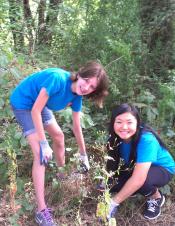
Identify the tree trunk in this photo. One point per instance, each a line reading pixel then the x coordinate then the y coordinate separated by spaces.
pixel 16 20
pixel 51 19
pixel 47 21
pixel 41 22
pixel 29 23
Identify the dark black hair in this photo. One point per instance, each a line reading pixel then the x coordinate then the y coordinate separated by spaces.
pixel 114 140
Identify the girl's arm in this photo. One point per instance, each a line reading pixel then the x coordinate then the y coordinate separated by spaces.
pixel 36 113
pixel 134 182
pixel 77 130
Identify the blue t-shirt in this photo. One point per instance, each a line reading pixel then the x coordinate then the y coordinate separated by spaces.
pixel 149 150
pixel 57 83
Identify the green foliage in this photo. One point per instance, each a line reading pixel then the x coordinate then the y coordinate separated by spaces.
pixel 158 35
pixel 166 104
pixel 65 116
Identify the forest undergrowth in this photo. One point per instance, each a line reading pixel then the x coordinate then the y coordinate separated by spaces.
pixel 74 200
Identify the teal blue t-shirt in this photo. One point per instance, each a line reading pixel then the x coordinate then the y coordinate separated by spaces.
pixel 57 83
pixel 149 150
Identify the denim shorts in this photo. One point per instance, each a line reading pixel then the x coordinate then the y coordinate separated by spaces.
pixel 24 118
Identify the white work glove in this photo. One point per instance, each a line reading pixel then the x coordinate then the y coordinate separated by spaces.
pixel 45 152
pixel 113 209
pixel 84 163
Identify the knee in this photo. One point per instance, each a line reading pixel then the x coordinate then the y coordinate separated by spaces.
pixel 36 155
pixel 58 137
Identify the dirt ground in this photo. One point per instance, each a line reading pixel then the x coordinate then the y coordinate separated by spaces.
pixel 73 210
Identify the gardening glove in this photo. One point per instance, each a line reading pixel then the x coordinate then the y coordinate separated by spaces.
pixel 113 209
pixel 84 163
pixel 45 152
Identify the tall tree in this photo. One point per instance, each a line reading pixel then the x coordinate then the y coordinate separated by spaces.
pixel 47 19
pixel 29 29
pixel 29 23
pixel 16 23
pixel 41 21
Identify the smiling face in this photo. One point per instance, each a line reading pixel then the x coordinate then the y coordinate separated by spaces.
pixel 85 86
pixel 125 126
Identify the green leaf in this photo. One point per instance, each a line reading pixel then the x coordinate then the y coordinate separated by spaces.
pixel 18 135
pixel 1 103
pixel 170 133
pixel 15 72
pixel 55 184
pixel 68 149
pixel 86 121
pixel 23 142
pixel 166 189
pixel 3 61
pixel 66 114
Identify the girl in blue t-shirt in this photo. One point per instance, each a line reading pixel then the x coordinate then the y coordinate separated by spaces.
pixel 139 161
pixel 33 101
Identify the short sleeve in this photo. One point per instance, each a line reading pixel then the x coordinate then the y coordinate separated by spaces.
pixel 77 104
pixel 147 148
pixel 51 83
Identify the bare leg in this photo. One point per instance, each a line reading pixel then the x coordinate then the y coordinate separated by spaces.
pixel 58 142
pixel 156 195
pixel 38 172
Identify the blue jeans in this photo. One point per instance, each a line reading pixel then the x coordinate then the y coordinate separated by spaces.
pixel 24 118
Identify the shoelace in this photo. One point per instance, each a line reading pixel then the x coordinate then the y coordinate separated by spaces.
pixel 152 205
pixel 47 214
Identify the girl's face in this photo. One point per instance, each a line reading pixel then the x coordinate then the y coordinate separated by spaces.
pixel 85 86
pixel 125 126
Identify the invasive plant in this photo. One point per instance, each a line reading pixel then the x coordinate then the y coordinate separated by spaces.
pixel 12 170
